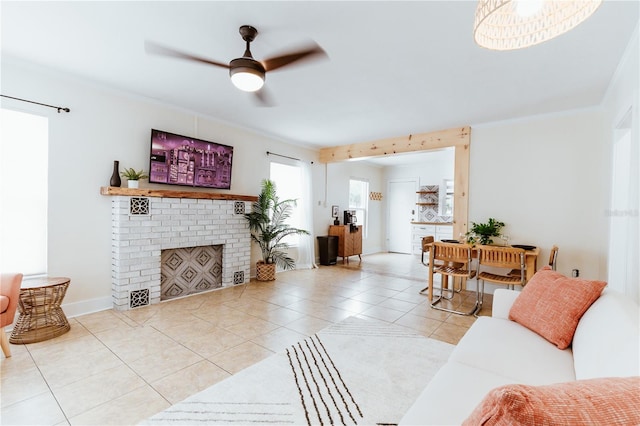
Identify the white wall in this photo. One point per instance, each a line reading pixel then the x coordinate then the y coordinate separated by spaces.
pixel 545 179
pixel 437 166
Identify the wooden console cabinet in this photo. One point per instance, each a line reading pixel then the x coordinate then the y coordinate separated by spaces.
pixel 349 243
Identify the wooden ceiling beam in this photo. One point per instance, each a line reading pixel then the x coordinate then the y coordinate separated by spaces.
pixel 397 145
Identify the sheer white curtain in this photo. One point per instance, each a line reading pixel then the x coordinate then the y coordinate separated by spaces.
pixel 293 181
pixel 306 254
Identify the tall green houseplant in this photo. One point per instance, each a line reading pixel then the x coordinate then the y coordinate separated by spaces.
pixel 268 226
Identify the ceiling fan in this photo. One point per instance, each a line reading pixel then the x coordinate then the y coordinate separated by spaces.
pixel 246 73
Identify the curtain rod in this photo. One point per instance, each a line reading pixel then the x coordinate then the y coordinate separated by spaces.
pixel 284 156
pixel 38 103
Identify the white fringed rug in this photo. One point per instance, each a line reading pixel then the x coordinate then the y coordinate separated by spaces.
pixel 358 371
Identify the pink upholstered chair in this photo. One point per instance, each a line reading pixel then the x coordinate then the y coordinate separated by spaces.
pixel 9 293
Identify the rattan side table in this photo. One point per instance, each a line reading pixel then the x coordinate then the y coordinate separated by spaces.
pixel 41 317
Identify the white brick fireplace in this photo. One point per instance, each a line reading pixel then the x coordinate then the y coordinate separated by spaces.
pixel 143 226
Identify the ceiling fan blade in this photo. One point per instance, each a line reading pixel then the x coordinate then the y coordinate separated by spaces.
pixel 157 49
pixel 289 58
pixel 263 98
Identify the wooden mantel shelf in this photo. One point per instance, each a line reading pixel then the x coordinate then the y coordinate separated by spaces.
pixel 148 192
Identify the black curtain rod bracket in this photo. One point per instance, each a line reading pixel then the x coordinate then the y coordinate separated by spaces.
pixel 38 103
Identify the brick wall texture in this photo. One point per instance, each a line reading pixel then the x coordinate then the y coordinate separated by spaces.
pixel 138 240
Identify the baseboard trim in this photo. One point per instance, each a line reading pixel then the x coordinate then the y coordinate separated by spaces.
pixel 87 306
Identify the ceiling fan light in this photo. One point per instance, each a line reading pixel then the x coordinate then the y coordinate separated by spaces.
pixel 247 80
pixel 247 74
pixel 499 26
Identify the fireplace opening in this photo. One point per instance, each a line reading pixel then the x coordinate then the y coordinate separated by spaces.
pixel 190 270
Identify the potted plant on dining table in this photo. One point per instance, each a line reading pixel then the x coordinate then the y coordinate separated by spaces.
pixel 482 233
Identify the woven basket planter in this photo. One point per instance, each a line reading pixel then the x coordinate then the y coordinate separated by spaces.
pixel 265 271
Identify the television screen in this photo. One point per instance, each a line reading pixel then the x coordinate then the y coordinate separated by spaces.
pixel 181 160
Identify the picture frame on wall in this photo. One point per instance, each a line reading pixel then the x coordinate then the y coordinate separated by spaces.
pixel 334 211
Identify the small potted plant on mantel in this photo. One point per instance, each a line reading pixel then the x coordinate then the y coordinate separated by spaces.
pixel 133 176
pixel 267 223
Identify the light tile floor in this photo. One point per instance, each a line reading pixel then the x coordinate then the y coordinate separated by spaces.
pixel 122 367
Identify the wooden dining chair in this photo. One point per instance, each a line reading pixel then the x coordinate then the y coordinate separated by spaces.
pixel 553 257
pixel 451 260
pixel 492 258
pixel 426 246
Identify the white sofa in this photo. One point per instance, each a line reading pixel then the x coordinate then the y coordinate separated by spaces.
pixel 497 351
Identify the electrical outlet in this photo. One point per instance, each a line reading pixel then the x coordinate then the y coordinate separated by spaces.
pixel 575 273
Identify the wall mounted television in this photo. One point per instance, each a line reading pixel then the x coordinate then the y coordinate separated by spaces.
pixel 181 160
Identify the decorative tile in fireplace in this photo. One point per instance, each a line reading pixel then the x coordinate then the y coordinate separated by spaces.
pixel 138 298
pixel 139 206
pixel 190 270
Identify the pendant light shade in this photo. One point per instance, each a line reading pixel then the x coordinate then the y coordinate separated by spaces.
pixel 515 24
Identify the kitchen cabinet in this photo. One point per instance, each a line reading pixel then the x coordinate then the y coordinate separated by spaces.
pixel 439 231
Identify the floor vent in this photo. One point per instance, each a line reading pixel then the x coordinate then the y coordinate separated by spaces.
pixel 238 277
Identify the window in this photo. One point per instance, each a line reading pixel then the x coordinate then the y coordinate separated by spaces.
pixel 23 192
pixel 288 180
pixel 359 201
pixel 446 198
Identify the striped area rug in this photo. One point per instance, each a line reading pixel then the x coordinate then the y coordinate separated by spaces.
pixel 356 372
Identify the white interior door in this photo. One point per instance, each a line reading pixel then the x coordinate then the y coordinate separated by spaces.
pixel 401 206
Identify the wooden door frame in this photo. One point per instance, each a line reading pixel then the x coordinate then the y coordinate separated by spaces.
pixel 458 138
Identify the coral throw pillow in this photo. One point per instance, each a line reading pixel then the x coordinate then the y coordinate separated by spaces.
pixel 605 401
pixel 552 304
